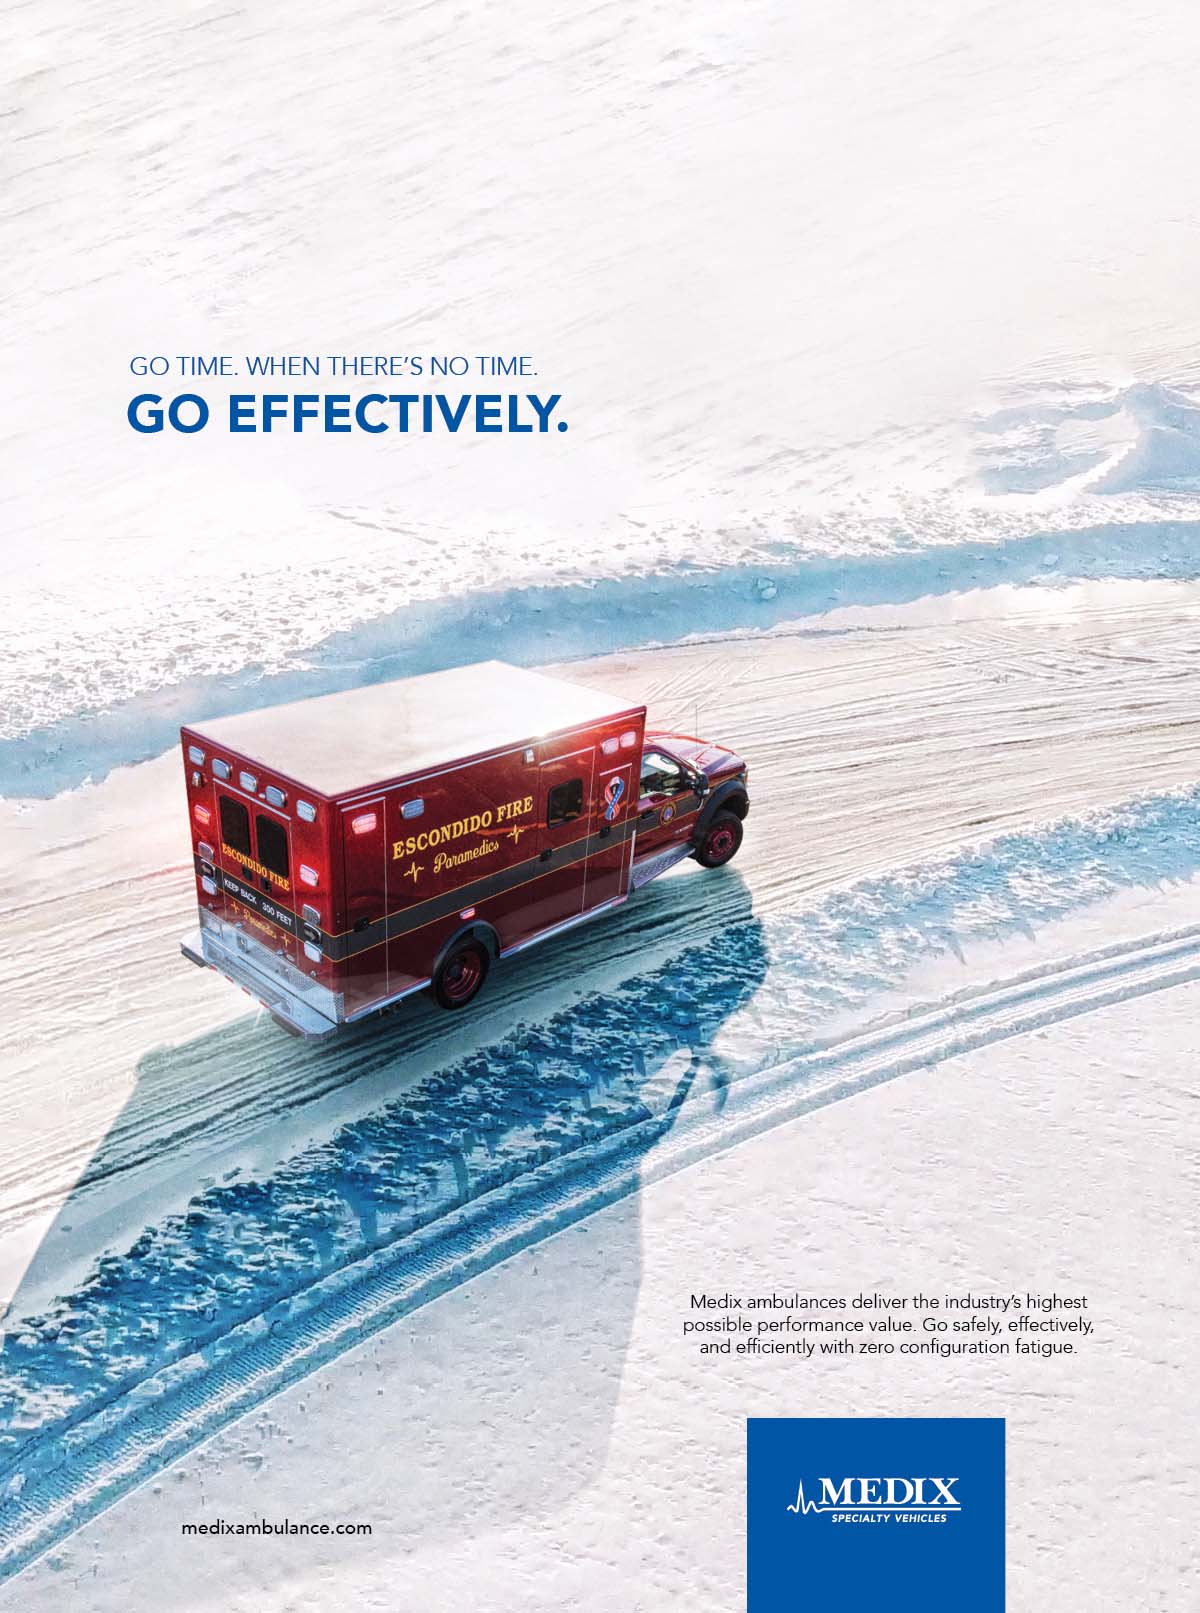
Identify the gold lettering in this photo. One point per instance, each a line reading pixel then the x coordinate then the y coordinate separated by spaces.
pixel 256 868
pixel 455 859
pixel 446 832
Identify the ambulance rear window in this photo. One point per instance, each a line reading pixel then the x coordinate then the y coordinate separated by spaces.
pixel 235 825
pixel 272 846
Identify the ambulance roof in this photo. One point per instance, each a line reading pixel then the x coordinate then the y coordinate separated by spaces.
pixel 342 743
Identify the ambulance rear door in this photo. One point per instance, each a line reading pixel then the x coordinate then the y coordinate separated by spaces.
pixel 255 852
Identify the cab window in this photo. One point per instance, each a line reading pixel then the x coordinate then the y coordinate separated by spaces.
pixel 564 802
pixel 235 826
pixel 272 845
pixel 661 775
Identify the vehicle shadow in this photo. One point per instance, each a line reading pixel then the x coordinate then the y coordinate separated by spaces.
pixel 452 1125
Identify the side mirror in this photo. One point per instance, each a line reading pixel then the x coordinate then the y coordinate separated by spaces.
pixel 700 782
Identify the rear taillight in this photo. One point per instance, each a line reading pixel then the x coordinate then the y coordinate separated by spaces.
pixel 308 876
pixel 202 814
pixel 312 953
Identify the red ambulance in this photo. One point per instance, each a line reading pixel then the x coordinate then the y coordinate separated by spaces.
pixel 358 847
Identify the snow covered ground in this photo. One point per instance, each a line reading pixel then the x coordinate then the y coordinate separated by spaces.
pixel 870 750
pixel 927 789
pixel 816 284
pixel 586 1456
pixel 878 341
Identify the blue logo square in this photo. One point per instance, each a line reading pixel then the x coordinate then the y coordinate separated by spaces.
pixel 861 1513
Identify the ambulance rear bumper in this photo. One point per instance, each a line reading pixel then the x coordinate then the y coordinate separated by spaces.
pixel 216 945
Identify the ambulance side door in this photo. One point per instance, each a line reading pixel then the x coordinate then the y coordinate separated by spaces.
pixel 613 818
pixel 563 795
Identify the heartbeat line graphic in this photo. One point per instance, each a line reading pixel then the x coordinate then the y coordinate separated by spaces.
pixel 514 834
pixel 804 1507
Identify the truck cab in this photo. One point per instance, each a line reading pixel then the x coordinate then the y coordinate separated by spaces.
pixel 693 801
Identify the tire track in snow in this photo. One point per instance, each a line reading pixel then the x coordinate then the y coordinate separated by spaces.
pixel 868 750
pixel 103 1458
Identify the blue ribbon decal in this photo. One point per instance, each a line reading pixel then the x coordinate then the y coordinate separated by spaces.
pixel 613 791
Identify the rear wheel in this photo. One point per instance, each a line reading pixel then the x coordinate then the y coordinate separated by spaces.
pixel 719 840
pixel 461 974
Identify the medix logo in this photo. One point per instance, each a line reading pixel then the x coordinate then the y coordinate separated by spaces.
pixel 898 1494
pixel 902 1513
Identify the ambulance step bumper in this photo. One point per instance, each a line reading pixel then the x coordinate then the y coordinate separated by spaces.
pixel 287 1008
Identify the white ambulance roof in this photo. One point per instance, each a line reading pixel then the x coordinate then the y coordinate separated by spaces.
pixel 339 743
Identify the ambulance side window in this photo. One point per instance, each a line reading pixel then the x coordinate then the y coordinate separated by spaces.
pixel 564 802
pixel 235 825
pixel 272 845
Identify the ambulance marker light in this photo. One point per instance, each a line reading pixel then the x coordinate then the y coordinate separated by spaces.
pixel 205 851
pixel 629 739
pixel 412 809
pixel 364 823
pixel 248 782
pixel 306 810
pixel 195 754
pixel 308 876
pixel 275 796
pixel 529 756
pixel 312 953
pixel 609 746
pixel 202 814
pixel 207 886
pixel 221 769
pixel 310 915
pixel 467 913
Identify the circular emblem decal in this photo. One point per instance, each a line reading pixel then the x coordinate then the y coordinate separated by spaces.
pixel 668 812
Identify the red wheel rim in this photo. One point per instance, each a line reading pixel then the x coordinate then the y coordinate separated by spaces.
pixel 462 976
pixel 721 843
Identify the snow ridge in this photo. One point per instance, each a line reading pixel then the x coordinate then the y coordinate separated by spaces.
pixel 61 736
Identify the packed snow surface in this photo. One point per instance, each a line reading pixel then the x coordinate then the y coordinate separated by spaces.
pixel 587 1456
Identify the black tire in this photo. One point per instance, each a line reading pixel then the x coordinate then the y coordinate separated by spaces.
pixel 719 840
pixel 461 975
